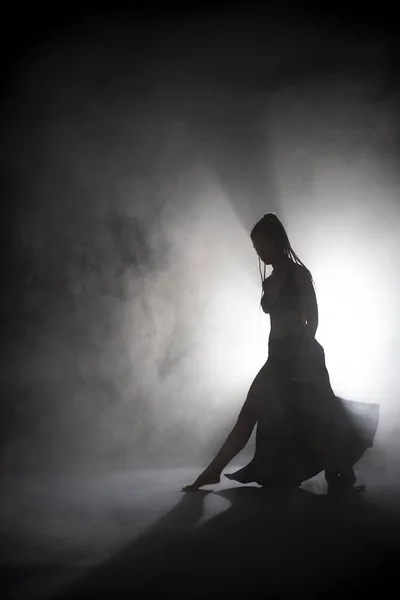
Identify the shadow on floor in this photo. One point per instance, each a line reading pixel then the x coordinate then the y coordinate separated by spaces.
pixel 269 544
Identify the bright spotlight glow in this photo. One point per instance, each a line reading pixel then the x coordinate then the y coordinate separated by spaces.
pixel 348 253
pixel 339 206
pixel 351 324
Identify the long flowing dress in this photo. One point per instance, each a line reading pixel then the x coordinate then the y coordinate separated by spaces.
pixel 304 428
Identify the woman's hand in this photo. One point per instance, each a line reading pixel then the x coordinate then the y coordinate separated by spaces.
pixel 272 285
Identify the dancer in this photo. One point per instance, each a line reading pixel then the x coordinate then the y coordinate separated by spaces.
pixel 302 427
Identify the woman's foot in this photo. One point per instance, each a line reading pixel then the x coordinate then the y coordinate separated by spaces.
pixel 207 477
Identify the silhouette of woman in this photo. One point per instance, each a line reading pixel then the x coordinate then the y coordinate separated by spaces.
pixel 302 427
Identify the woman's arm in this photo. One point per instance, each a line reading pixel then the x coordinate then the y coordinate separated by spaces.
pixel 308 300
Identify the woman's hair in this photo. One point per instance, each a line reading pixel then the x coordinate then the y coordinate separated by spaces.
pixel 270 226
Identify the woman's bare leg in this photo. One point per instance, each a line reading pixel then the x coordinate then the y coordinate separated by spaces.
pixel 240 434
pixel 234 443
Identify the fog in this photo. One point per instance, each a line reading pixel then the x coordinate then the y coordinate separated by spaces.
pixel 137 156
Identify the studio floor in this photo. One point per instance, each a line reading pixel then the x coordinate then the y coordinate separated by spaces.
pixel 115 534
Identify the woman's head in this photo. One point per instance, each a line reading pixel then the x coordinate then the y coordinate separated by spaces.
pixel 271 242
pixel 270 239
